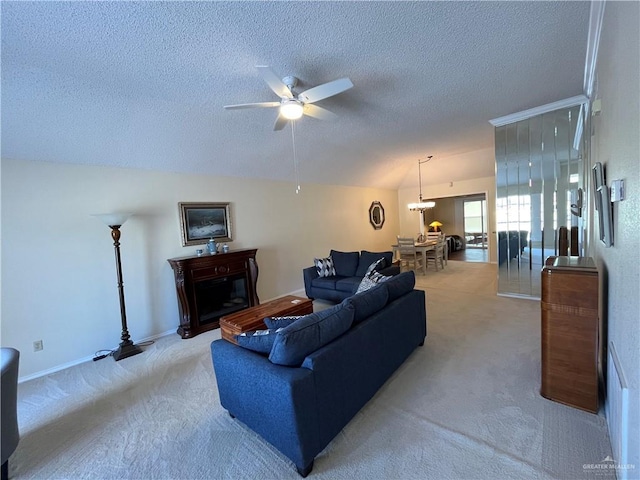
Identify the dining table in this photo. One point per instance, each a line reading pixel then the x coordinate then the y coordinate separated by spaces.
pixel 423 248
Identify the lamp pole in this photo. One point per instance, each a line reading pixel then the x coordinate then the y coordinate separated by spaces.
pixel 127 348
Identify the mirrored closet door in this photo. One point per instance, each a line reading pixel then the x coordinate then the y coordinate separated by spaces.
pixel 539 176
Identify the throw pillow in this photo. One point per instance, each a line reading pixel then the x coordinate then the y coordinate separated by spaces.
pixel 260 341
pixel 371 280
pixel 324 266
pixel 366 258
pixel 308 334
pixel 377 266
pixel 281 322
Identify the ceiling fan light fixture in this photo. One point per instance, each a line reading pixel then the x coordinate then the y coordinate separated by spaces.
pixel 292 105
pixel 291 109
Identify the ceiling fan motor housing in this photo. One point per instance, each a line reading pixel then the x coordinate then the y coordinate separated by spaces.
pixel 290 81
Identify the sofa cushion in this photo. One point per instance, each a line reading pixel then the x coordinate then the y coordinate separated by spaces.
pixel 368 302
pixel 349 284
pixel 325 282
pixel 370 281
pixel 400 285
pixel 345 263
pixel 309 333
pixel 324 267
pixel 367 258
pixel 260 341
pixel 280 322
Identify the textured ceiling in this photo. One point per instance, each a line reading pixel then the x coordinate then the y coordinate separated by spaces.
pixel 143 84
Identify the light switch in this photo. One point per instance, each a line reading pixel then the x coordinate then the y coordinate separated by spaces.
pixel 617 190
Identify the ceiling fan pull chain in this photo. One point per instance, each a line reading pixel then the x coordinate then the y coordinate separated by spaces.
pixel 295 156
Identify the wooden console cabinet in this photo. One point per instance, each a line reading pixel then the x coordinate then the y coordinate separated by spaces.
pixel 211 286
pixel 570 332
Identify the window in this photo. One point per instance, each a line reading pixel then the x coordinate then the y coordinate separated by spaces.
pixel 475 222
pixel 513 213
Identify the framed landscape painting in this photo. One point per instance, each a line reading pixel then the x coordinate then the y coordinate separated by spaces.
pixel 201 221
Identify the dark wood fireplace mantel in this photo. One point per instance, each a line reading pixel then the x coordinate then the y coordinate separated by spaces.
pixel 211 286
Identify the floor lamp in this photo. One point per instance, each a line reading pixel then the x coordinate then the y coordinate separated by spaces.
pixel 127 348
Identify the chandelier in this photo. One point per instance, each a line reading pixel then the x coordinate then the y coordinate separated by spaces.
pixel 421 205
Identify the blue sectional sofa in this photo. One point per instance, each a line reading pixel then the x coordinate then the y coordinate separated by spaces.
pixel 300 409
pixel 350 269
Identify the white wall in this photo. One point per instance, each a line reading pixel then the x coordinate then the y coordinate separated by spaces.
pixel 616 144
pixel 58 268
pixel 445 213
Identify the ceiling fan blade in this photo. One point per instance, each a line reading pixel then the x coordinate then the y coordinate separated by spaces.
pixel 274 82
pixel 318 112
pixel 281 122
pixel 325 90
pixel 252 105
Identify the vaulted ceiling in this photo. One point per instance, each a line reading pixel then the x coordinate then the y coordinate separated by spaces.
pixel 143 84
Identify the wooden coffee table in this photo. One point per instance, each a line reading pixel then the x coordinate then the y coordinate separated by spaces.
pixel 252 318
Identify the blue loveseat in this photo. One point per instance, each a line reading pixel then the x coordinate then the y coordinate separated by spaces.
pixel 350 269
pixel 300 409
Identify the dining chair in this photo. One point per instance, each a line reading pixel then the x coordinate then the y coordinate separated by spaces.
pixel 440 236
pixel 433 235
pixel 437 254
pixel 407 254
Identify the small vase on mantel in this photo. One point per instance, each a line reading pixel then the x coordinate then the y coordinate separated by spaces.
pixel 211 246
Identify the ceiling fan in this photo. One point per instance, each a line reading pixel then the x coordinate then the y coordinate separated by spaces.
pixel 292 106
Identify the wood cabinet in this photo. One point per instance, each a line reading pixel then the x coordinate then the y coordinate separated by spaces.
pixel 211 286
pixel 570 332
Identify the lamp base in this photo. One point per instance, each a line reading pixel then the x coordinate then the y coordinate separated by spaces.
pixel 126 350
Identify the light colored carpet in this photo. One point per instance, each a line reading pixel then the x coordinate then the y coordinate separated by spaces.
pixel 464 406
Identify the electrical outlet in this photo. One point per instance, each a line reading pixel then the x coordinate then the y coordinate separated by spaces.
pixel 37 345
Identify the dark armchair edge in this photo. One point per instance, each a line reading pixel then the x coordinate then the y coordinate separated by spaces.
pixel 308 274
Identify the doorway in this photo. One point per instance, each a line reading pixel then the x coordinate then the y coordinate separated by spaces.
pixel 475 223
pixel 458 216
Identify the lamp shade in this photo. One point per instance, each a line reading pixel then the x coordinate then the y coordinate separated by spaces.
pixel 436 225
pixel 113 219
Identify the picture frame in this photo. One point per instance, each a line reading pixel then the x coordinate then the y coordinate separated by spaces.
pixel 200 221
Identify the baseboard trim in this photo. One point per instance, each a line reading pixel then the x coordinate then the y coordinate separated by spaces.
pixel 73 363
